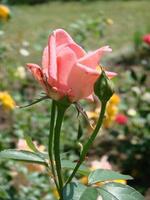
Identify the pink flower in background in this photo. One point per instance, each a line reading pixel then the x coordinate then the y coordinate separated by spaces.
pixel 67 70
pixel 121 119
pixel 103 163
pixel 146 39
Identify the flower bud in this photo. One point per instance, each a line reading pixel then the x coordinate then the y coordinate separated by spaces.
pixel 103 88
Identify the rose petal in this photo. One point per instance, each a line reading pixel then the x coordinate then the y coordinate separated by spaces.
pixel 77 49
pixel 81 81
pixel 52 63
pixel 90 97
pixel 36 71
pixel 45 61
pixel 66 59
pixel 110 74
pixel 62 37
pixel 92 59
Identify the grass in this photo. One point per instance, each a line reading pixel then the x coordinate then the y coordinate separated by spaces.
pixel 33 24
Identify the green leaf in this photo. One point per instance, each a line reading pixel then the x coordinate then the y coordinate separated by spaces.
pixel 101 175
pixel 73 191
pixel 71 165
pixel 117 191
pixel 3 193
pixel 30 143
pixel 90 194
pixel 21 155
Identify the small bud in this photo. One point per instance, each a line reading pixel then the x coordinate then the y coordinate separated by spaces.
pixel 103 88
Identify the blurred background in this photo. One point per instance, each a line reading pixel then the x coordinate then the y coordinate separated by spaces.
pixel 124 141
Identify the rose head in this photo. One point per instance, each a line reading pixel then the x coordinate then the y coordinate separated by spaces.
pixel 146 39
pixel 67 70
pixel 121 119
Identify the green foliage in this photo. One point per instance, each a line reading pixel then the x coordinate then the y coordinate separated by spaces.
pixel 137 39
pixel 116 191
pixel 101 175
pixel 3 194
pixel 109 191
pixel 29 142
pixel 73 191
pixel 21 155
pixel 67 164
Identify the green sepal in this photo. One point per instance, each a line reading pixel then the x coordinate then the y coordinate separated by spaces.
pixel 63 103
pixel 103 88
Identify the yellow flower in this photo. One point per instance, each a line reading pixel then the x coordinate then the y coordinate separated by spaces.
pixel 6 101
pixel 115 99
pixel 4 12
pixel 111 110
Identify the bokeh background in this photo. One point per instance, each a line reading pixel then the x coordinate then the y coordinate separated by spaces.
pixel 124 141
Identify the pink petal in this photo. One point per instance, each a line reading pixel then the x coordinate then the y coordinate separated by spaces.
pixel 38 74
pixel 62 37
pixel 45 61
pixel 81 81
pixel 110 74
pixel 92 59
pixel 90 98
pixel 66 59
pixel 57 40
pixel 36 71
pixel 77 49
pixel 52 63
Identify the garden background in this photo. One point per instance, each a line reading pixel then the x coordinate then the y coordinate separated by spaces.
pixel 124 142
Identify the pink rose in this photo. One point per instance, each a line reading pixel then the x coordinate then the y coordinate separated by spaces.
pixel 67 70
pixel 102 164
pixel 146 39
